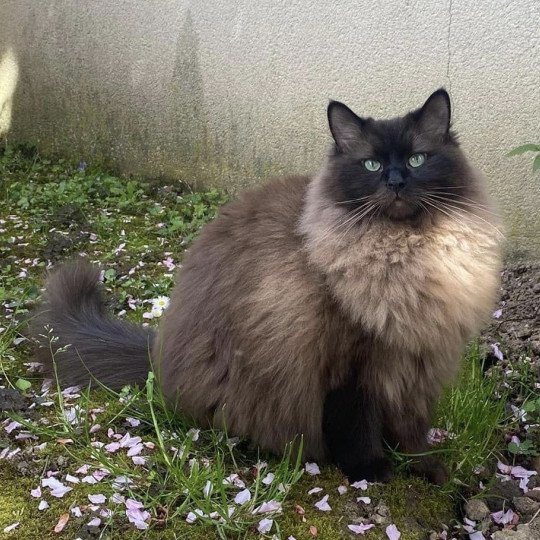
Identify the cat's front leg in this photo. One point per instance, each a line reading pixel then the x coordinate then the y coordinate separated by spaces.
pixel 406 430
pixel 352 429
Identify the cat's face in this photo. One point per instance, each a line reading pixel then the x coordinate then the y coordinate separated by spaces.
pixel 399 169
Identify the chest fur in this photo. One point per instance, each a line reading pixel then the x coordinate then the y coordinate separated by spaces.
pixel 418 292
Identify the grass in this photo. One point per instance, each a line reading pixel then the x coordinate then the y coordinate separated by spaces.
pixel 52 209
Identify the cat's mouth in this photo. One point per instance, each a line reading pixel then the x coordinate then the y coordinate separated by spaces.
pixel 399 208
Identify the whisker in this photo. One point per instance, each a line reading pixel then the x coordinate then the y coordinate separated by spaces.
pixel 461 212
pixel 465 203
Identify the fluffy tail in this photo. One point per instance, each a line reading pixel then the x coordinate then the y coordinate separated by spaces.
pixel 78 341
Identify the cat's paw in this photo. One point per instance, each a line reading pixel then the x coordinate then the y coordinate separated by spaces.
pixel 432 469
pixel 375 470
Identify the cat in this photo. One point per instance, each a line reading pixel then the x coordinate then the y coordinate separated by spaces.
pixel 334 307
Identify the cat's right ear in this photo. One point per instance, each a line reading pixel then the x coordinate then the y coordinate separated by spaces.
pixel 345 126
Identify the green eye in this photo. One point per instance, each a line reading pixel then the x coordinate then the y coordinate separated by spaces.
pixel 416 160
pixel 372 165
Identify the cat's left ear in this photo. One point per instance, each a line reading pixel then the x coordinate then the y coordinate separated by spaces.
pixel 433 117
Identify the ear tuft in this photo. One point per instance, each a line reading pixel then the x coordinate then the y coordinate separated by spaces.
pixel 433 117
pixel 345 126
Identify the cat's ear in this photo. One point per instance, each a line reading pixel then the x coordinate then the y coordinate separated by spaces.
pixel 346 127
pixel 433 117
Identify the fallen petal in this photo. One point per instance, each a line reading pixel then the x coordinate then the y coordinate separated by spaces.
pixel 265 525
pixel 62 522
pixel 392 532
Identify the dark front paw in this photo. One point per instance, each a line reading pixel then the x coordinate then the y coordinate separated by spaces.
pixel 432 469
pixel 375 470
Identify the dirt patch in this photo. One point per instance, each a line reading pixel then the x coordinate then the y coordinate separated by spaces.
pixel 516 322
pixel 12 400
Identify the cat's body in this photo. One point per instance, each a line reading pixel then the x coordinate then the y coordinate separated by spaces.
pixel 297 314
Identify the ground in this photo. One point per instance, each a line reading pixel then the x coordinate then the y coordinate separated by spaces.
pixel 150 474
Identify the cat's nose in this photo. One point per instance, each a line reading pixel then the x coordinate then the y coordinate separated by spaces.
pixel 395 180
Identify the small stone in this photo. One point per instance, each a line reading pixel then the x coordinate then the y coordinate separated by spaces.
pixel 11 400
pixel 476 509
pixel 522 533
pixel 536 288
pixel 534 494
pixel 525 505
pixel 524 333
pixel 381 515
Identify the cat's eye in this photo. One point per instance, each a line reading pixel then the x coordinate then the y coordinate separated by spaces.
pixel 416 160
pixel 372 165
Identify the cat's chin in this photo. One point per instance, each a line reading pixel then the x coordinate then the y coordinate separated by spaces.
pixel 400 209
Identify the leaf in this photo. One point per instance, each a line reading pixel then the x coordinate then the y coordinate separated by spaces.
pixel 64 518
pixel 524 148
pixel 536 163
pixel 23 384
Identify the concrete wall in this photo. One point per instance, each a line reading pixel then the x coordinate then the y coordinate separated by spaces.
pixel 229 92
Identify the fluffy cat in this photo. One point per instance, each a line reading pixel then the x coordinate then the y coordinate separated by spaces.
pixel 335 307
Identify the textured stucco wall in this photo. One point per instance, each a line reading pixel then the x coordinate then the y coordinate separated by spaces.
pixel 230 92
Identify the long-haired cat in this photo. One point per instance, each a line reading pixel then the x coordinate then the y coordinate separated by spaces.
pixel 332 307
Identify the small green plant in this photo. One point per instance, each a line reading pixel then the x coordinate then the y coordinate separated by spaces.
pixel 535 148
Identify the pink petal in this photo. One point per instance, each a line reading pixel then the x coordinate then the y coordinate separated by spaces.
pixel 361 484
pixel 496 351
pixel 100 474
pixel 138 460
pixel 270 506
pixel 242 497
pixel 60 491
pixel 135 450
pixel 89 480
pixel 43 505
pixel 36 492
pixel 132 504
pixel 9 428
pixel 362 528
pixel 503 518
pixel 96 522
pixel 72 479
pixel 191 517
pixel 97 499
pixel 323 505
pixel 365 500
pixel 112 447
pixel 117 498
pixel 312 469
pixel 265 525
pixel 392 532
pixel 342 490
pixel 314 490
pixel 76 511
pixel 268 479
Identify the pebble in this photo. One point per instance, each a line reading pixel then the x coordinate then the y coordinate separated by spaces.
pixel 523 532
pixel 476 509
pixel 525 505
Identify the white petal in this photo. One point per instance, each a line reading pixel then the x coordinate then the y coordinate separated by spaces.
pixel 323 505
pixel 392 532
pixel 242 497
pixel 265 525
pixel 312 469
